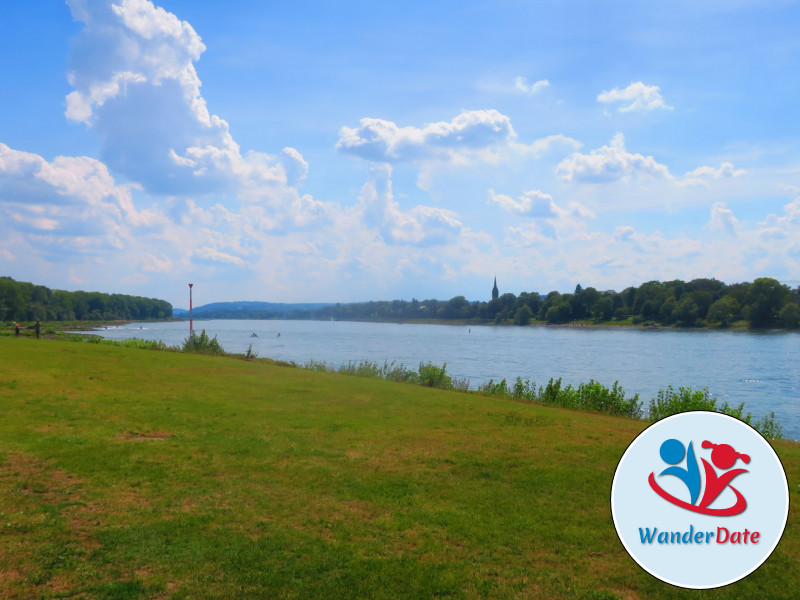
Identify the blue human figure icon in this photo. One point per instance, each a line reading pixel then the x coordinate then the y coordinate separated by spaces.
pixel 672 452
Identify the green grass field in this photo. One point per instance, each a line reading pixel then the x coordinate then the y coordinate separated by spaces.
pixel 130 473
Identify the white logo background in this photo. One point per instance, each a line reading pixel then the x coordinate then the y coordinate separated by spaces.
pixel 635 505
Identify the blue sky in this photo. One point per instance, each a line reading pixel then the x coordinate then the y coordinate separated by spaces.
pixel 348 151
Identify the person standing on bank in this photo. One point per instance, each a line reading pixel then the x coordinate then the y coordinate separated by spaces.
pixel 17 330
pixel 38 329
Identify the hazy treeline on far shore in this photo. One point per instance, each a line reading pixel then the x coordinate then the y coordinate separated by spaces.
pixel 764 303
pixel 22 301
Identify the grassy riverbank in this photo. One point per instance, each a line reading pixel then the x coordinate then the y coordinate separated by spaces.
pixel 137 474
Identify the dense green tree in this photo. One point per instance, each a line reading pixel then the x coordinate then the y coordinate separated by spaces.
pixel 724 311
pixel 700 299
pixel 523 315
pixel 789 316
pixel 666 314
pixel 560 312
pixel 765 298
pixel 604 308
pixel 457 308
pixel 628 297
pixel 686 312
pixel 493 308
pixel 583 302
pixel 712 286
pixel 649 298
pixel 650 309
pixel 551 299
pixel 531 299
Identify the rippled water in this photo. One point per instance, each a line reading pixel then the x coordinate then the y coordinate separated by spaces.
pixel 759 369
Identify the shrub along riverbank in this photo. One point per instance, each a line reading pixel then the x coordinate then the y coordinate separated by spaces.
pixel 128 474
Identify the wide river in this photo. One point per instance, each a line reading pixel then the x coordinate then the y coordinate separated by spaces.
pixel 759 369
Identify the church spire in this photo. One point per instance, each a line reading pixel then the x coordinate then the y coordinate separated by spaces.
pixel 495 291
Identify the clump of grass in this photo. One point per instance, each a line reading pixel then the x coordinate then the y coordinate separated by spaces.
pixel 428 374
pixel 460 384
pixel 490 388
pixel 432 376
pixel 591 396
pixel 202 344
pixel 670 402
pixel 141 344
pixel 127 343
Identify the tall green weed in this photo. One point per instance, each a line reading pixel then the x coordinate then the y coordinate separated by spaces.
pixel 671 402
pixel 127 343
pixel 587 396
pixel 202 344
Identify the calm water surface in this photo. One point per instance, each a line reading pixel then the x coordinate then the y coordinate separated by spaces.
pixel 759 369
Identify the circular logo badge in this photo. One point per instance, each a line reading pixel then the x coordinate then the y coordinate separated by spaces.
pixel 699 500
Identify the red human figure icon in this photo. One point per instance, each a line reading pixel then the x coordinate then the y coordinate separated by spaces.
pixel 724 457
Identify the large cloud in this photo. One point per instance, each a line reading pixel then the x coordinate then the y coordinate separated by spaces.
pixel 470 133
pixel 613 163
pixel 69 207
pixel 132 67
pixel 75 193
pixel 610 163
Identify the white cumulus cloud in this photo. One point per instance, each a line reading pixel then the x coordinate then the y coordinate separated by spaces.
pixel 549 220
pixel 521 85
pixel 637 96
pixel 722 220
pixel 420 226
pixel 471 132
pixel 133 70
pixel 610 163
pixel 545 145
pixel 703 175
pixel 533 203
pixel 69 207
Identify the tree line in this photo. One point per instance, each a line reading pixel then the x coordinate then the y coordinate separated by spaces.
pixel 764 303
pixel 23 301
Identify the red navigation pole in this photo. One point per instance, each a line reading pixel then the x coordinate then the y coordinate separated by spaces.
pixel 191 322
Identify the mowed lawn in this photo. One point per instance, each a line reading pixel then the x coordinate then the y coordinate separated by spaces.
pixel 129 473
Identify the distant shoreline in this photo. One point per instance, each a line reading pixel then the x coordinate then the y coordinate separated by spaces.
pixel 88 327
pixel 473 323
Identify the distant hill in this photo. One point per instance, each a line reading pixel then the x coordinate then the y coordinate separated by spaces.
pixel 249 310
